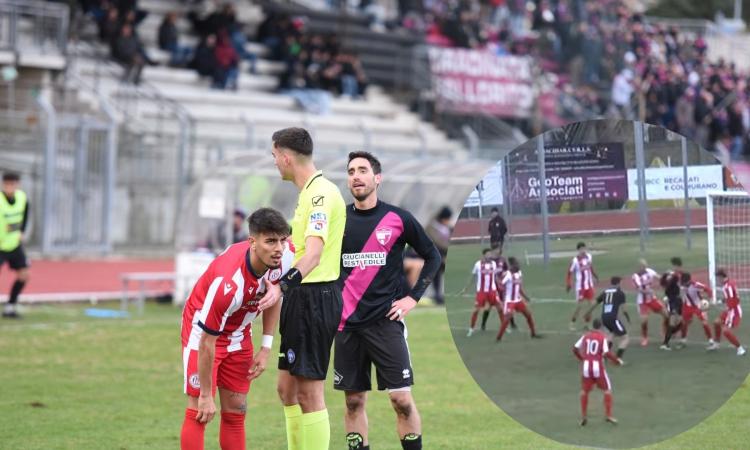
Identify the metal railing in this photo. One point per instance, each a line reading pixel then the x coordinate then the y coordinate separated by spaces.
pixel 33 23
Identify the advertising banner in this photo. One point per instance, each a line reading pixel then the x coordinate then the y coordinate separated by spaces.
pixel 666 183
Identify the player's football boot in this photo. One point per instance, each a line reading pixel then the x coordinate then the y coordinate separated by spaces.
pixel 611 420
pixel 713 346
pixel 471 331
pixel 644 342
pixel 665 347
pixel 584 421
pixel 572 326
pixel 741 350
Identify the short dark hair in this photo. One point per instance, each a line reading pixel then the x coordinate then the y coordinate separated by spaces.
pixel 444 213
pixel 615 280
pixel 374 162
pixel 596 323
pixel 295 139
pixel 494 209
pixel 686 277
pixel 486 250
pixel 267 220
pixel 721 273
pixel 513 263
pixel 676 261
pixel 11 176
pixel 580 245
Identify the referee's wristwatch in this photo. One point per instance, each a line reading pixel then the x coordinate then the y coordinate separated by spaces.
pixel 293 278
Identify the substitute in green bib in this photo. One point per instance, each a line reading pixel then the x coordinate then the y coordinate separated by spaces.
pixel 311 310
pixel 14 214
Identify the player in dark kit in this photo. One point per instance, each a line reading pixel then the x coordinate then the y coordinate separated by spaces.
pixel 670 281
pixel 376 300
pixel 612 300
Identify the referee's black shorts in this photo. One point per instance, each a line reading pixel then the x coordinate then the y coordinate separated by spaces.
pixel 382 344
pixel 614 326
pixel 310 316
pixel 16 258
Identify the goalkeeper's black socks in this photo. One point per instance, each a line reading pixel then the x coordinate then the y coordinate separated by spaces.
pixel 513 323
pixel 485 315
pixel 412 441
pixel 15 290
pixel 620 352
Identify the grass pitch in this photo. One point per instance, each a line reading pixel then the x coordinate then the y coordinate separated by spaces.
pixel 657 394
pixel 74 382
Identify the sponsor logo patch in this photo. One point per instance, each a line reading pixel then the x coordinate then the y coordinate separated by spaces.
pixel 363 260
pixel 318 221
pixel 227 288
pixel 337 377
pixel 318 200
pixel 290 356
pixel 406 373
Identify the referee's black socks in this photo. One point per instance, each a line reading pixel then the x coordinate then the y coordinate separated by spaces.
pixel 411 441
pixel 485 315
pixel 15 290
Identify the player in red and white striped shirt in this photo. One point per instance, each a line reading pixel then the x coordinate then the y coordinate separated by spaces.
pixel 693 292
pixel 644 281
pixel 591 349
pixel 582 266
pixel 731 317
pixel 216 338
pixel 485 271
pixel 516 299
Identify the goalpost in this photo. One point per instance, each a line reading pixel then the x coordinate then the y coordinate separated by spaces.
pixel 728 227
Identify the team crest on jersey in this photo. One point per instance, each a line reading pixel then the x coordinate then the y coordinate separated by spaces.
pixel 274 275
pixel 383 235
pixel 195 381
pixel 337 377
pixel 290 356
pixel 406 373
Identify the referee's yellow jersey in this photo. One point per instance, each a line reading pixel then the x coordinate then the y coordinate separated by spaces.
pixel 321 212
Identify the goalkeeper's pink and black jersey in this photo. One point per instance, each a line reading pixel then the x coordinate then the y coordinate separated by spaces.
pixel 372 256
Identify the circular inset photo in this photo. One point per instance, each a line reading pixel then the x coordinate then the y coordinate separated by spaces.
pixel 595 284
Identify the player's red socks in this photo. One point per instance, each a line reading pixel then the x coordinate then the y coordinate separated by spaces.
pixel 232 431
pixel 732 338
pixel 684 328
pixel 474 319
pixel 530 321
pixel 717 332
pixel 503 326
pixel 707 330
pixel 584 403
pixel 608 404
pixel 191 437
pixel 644 330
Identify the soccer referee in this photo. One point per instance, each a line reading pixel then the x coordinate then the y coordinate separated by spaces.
pixel 311 310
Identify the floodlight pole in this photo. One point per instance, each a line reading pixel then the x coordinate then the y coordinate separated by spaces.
pixel 685 186
pixel 543 196
pixel 641 170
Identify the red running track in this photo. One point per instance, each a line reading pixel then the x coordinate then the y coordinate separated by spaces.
pixel 66 278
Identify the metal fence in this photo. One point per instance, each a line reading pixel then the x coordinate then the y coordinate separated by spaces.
pixel 654 187
pixel 32 23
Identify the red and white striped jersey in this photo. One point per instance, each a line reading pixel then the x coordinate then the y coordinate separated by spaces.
pixel 582 268
pixel 731 296
pixel 485 272
pixel 644 282
pixel 224 301
pixel 512 284
pixel 693 293
pixel 592 347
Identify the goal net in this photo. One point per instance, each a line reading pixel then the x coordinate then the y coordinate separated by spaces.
pixel 728 225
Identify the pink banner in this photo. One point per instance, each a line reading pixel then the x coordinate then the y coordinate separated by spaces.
pixel 473 81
